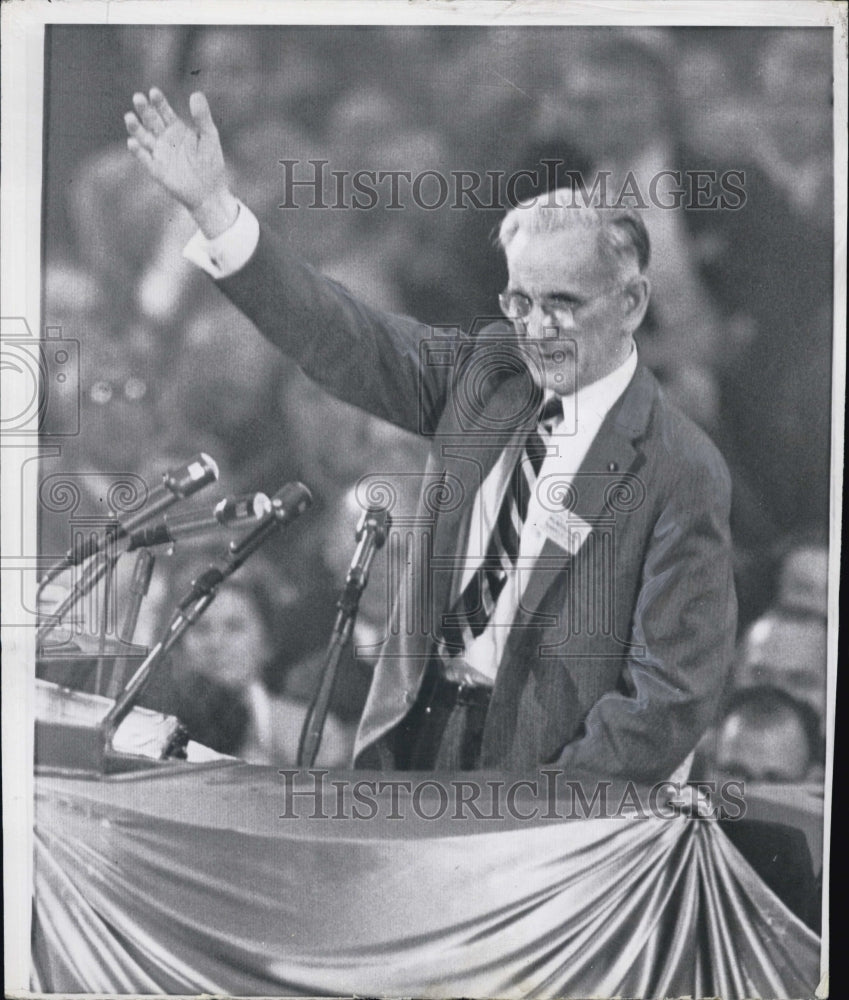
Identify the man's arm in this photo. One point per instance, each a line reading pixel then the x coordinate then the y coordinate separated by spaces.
pixel 362 355
pixel 685 619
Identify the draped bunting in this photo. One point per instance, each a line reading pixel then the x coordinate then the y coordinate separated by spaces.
pixel 191 879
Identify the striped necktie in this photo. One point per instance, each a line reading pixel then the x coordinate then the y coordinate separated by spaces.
pixel 474 607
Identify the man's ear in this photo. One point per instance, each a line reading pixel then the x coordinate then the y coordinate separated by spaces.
pixel 637 295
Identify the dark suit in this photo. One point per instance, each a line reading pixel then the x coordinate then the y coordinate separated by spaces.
pixel 617 657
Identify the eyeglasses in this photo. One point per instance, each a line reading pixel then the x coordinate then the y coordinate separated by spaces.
pixel 564 308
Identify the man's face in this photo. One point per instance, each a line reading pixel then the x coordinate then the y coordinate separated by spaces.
pixel 789 654
pixel 567 267
pixel 777 752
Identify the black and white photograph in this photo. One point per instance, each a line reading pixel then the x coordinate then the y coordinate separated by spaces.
pixel 422 448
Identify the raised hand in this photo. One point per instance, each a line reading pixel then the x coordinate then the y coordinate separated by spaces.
pixel 186 160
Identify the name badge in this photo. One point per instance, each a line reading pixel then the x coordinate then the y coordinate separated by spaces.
pixel 566 530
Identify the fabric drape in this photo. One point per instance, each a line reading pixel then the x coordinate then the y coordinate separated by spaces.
pixel 201 879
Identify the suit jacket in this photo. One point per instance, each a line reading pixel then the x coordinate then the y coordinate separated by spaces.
pixel 618 654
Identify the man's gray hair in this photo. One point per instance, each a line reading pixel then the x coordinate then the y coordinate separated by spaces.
pixel 622 235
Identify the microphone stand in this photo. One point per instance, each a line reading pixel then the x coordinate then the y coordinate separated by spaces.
pixel 104 625
pixel 139 586
pixel 290 502
pixel 371 534
pixel 184 618
pixel 177 484
pixel 101 564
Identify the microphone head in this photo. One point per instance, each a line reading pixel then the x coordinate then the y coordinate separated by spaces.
pixel 290 502
pixel 199 471
pixel 287 504
pixel 241 508
pixel 376 520
pixel 261 505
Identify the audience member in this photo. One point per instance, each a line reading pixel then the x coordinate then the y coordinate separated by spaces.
pixel 218 688
pixel 787 652
pixel 766 735
pixel 803 581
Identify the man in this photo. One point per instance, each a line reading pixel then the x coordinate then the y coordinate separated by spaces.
pixel 767 735
pixel 787 650
pixel 568 596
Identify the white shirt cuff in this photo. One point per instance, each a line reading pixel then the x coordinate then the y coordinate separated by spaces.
pixel 228 252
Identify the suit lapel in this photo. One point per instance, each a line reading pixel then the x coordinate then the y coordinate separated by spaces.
pixel 468 456
pixel 465 452
pixel 612 458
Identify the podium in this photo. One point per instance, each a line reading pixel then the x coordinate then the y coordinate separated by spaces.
pixel 68 734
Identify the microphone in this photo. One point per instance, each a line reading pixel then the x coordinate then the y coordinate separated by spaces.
pixel 285 506
pixel 177 484
pixel 371 534
pixel 231 512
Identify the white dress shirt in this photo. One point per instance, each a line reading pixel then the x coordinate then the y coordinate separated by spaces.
pixel 228 252
pixel 583 414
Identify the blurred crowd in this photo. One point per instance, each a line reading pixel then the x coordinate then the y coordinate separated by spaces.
pixel 739 331
pixel 772 724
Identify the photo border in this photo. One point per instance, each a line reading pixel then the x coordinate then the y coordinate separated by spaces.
pixel 23 27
